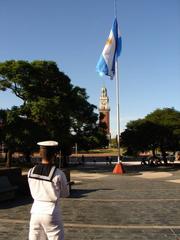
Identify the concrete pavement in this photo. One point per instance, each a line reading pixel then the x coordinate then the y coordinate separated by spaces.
pixel 143 203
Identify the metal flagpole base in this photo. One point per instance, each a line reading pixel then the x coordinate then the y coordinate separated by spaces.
pixel 118 169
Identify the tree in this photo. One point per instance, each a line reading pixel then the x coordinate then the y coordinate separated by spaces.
pixel 168 120
pixel 140 135
pixel 19 134
pixel 157 130
pixel 2 120
pixel 51 105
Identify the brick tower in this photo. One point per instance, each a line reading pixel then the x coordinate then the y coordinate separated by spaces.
pixel 104 110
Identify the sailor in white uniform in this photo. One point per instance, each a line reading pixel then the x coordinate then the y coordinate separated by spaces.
pixel 47 185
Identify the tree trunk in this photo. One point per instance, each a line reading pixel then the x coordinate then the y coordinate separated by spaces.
pixel 8 159
pixel 153 152
pixel 164 155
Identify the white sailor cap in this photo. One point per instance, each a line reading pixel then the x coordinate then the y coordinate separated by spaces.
pixel 48 144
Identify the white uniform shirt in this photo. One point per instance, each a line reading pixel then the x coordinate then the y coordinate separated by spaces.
pixel 47 185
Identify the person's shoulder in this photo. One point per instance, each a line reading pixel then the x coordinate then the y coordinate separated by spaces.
pixel 30 170
pixel 59 174
pixel 59 171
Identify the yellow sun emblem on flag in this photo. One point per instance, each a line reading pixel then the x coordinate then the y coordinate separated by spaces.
pixel 109 41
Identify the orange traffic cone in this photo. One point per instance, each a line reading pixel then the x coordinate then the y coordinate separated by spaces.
pixel 118 169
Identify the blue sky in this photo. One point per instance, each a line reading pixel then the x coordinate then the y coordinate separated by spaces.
pixel 73 34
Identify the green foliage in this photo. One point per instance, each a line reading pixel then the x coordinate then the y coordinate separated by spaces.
pixel 52 108
pixel 20 134
pixel 159 129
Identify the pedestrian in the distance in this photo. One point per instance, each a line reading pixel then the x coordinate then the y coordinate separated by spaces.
pixel 48 185
pixel 177 156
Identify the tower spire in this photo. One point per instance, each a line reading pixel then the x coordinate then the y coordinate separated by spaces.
pixel 104 109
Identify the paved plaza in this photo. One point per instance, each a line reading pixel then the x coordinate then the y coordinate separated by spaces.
pixel 143 203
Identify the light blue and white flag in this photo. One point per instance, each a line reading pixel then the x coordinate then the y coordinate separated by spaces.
pixel 112 50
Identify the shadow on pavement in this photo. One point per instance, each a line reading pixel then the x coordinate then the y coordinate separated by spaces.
pixel 80 193
pixel 98 168
pixel 18 201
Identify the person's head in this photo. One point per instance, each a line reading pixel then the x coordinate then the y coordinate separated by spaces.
pixel 48 150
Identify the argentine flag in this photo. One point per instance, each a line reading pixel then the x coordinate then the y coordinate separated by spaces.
pixel 112 50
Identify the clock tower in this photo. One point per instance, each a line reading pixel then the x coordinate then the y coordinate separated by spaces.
pixel 104 109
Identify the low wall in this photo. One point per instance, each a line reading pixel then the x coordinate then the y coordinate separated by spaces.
pixel 14 174
pixel 15 177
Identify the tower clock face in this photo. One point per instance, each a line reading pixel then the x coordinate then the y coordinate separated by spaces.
pixel 103 102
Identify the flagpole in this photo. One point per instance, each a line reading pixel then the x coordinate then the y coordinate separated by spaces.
pixel 117 109
pixel 115 8
pixel 117 95
pixel 118 167
pixel 108 65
